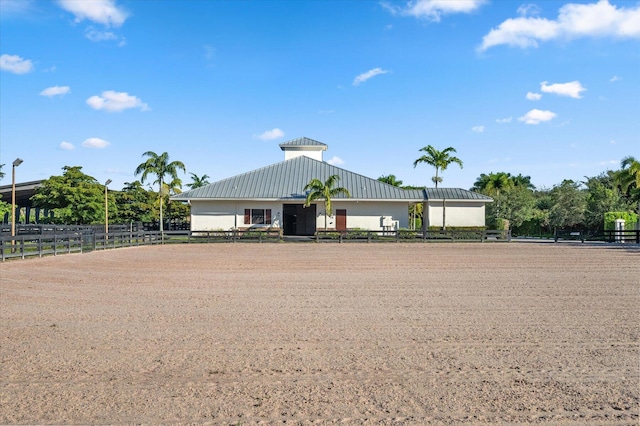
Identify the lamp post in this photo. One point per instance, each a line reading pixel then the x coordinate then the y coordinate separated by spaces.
pixel 106 209
pixel 16 163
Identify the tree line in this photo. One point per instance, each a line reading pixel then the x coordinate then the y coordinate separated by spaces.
pixel 526 210
pixel 77 198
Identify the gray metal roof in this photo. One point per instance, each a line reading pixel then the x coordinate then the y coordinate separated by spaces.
pixel 286 180
pixel 454 194
pixel 303 142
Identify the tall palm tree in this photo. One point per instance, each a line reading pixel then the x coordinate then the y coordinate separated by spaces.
pixel 438 159
pixel 326 190
pixel 198 181
pixel 168 189
pixel 160 167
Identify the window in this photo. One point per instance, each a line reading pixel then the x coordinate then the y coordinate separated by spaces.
pixel 257 216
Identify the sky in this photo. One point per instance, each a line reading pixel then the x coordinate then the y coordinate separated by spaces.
pixel 547 89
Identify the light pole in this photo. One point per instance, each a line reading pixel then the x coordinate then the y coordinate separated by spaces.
pixel 16 163
pixel 106 209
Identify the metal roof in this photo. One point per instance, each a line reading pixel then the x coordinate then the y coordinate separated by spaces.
pixel 303 142
pixel 286 181
pixel 454 194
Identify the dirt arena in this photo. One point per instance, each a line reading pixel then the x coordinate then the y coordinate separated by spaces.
pixel 323 333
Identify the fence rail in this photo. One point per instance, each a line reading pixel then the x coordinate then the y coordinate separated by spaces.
pixel 608 236
pixel 409 235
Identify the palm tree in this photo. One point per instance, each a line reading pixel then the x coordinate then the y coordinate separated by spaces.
pixel 168 189
pixel 524 181
pixel 326 190
pixel 493 183
pixel 1 172
pixel 198 181
pixel 159 166
pixel 438 159
pixel 629 178
pixel 390 180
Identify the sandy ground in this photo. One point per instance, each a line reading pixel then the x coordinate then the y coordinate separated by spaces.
pixel 323 333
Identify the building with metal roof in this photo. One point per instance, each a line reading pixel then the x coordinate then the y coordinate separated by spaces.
pixel 273 196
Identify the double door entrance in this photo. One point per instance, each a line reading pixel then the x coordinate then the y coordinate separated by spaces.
pixel 300 220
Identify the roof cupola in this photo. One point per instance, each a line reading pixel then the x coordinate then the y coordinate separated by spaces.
pixel 303 146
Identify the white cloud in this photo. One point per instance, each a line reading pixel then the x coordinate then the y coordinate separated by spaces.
pixel 97 36
pixel 477 129
pixel 15 64
pixel 55 91
pixel 67 146
pixel 529 10
pixel 536 116
pixel 571 89
pixel 15 7
pixel 504 120
pixel 116 101
pixel 534 96
pixel 433 10
pixel 612 142
pixel 270 135
pixel 600 19
pixel 104 12
pixel 95 143
pixel 367 75
pixel 614 79
pixel 336 161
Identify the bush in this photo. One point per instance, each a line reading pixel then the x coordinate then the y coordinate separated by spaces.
pixel 610 220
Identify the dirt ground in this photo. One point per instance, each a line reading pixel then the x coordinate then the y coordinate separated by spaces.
pixel 323 333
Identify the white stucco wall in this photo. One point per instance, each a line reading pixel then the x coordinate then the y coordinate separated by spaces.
pixel 314 153
pixel 366 214
pixel 457 213
pixel 225 215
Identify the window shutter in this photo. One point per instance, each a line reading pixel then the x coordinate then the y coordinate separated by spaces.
pixel 247 216
pixel 267 216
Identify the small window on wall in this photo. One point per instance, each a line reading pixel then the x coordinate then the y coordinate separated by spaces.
pixel 257 216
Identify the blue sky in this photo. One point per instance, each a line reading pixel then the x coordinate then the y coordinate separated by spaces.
pixel 549 89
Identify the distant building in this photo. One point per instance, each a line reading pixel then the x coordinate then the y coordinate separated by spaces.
pixel 273 196
pixel 24 192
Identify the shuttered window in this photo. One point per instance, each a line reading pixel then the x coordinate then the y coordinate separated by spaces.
pixel 257 216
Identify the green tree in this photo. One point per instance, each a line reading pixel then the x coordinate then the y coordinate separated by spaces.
pixel 569 205
pixel 511 207
pixel 1 172
pixel 390 180
pixel 602 196
pixel 168 189
pixel 438 159
pixel 326 190
pixel 629 179
pixel 135 204
pixel 198 181
pixel 160 167
pixel 74 197
pixel 524 181
pixel 493 183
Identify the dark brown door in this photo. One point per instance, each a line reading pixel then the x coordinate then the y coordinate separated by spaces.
pixel 341 220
